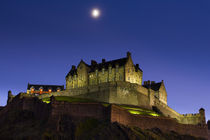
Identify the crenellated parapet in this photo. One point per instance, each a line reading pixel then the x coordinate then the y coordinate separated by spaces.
pixel 195 119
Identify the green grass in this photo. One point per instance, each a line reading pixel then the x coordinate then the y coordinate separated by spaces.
pixel 67 99
pixel 131 110
pixel 139 111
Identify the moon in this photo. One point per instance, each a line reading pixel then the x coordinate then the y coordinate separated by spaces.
pixel 95 13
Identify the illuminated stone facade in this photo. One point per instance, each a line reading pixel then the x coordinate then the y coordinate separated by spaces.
pixel 119 70
pixel 116 70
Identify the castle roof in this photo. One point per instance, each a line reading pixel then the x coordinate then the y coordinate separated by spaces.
pixel 104 64
pixel 153 86
pixel 45 87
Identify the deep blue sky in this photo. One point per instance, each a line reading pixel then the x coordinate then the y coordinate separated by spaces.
pixel 40 40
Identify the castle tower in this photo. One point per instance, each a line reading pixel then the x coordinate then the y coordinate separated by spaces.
pixel 202 116
pixel 10 97
pixel 208 123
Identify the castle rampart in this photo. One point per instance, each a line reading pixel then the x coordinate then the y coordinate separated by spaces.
pixel 148 122
pixel 127 93
pixel 111 92
pixel 113 113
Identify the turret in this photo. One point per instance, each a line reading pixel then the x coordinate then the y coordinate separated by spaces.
pixel 10 97
pixel 202 116
pixel 128 54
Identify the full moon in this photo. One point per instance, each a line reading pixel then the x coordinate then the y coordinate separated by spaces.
pixel 95 13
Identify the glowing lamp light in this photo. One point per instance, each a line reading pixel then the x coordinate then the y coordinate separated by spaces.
pixel 32 90
pixel 41 90
pixel 95 13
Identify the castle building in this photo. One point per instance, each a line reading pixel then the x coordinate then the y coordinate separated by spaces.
pixel 116 70
pixel 41 89
pixel 116 82
pixel 123 70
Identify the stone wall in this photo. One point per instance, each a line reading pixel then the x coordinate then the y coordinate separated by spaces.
pixel 131 75
pixel 111 92
pixel 26 102
pixel 208 134
pixel 79 111
pixel 113 113
pixel 194 119
pixel 162 94
pixel 127 93
pixel 164 123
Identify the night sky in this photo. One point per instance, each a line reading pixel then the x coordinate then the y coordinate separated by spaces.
pixel 170 39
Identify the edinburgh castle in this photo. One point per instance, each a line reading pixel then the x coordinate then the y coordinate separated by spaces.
pixel 117 84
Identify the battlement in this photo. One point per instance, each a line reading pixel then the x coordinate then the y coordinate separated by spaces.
pixel 191 115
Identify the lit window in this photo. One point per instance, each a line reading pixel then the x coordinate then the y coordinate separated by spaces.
pixel 50 90
pixel 128 78
pixel 32 90
pixel 103 71
pixel 41 90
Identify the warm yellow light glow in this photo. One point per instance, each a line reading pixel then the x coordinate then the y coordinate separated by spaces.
pixel 95 13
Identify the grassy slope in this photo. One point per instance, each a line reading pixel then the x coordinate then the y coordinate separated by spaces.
pixel 132 110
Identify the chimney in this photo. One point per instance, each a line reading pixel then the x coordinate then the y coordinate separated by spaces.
pixel 73 67
pixel 103 60
pixel 128 54
pixel 137 65
pixel 93 62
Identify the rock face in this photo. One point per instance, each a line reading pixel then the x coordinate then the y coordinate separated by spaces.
pixel 208 123
pixel 30 118
pixel 24 125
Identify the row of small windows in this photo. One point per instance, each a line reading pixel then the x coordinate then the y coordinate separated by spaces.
pixel 106 79
pixel 91 76
pixel 130 70
pixel 82 78
pixel 32 89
